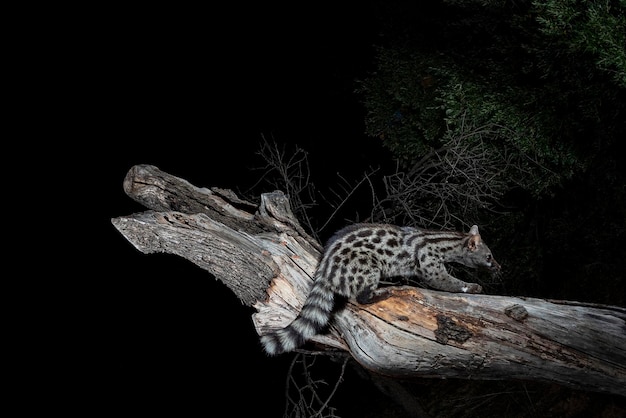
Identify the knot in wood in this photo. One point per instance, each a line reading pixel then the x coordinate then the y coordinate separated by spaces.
pixel 517 312
pixel 447 329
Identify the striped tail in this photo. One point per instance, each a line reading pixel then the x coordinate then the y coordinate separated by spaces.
pixel 314 317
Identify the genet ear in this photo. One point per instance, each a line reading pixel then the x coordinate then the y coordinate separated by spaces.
pixel 473 242
pixel 473 230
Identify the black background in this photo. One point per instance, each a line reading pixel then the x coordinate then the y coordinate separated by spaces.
pixel 192 92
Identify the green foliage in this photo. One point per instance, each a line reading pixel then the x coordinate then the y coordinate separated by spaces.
pixel 596 27
pixel 540 78
pixel 424 103
pixel 401 104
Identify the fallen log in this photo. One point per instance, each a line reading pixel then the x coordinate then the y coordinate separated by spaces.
pixel 261 253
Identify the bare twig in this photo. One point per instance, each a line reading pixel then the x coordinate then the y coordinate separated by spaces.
pixel 308 402
pixel 347 191
pixel 291 173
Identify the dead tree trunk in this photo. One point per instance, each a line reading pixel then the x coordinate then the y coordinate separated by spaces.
pixel 265 257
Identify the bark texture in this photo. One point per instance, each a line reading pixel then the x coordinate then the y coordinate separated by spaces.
pixel 264 256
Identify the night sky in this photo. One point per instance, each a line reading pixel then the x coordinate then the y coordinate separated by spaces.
pixel 192 93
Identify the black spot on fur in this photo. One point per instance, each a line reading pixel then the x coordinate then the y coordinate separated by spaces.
pixel 340 303
pixel 333 271
pixel 365 233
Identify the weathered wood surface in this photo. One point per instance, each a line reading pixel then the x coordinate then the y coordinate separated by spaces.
pixel 264 256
